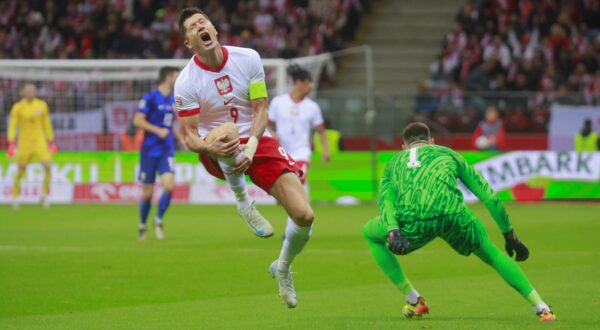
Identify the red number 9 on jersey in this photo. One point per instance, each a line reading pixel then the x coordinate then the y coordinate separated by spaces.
pixel 233 112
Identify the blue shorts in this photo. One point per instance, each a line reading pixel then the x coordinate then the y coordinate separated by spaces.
pixel 150 165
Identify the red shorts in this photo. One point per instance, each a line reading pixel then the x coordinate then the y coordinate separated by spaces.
pixel 269 163
pixel 304 167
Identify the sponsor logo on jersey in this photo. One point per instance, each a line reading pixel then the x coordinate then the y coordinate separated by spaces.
pixel 223 85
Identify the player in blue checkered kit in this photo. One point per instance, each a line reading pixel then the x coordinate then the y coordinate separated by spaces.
pixel 155 116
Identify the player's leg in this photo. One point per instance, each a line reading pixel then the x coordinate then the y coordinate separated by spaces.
pixel 465 233
pixel 512 274
pixel 23 158
pixel 167 180
pixel 16 191
pixel 375 235
pixel 47 165
pixel 304 166
pixel 147 176
pixel 289 192
pixel 237 183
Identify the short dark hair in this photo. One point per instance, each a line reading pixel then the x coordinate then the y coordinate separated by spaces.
pixel 165 71
pixel 414 132
pixel 184 15
pixel 298 73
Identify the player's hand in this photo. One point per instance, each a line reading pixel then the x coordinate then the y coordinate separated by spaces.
pixel 242 165
pixel 52 147
pixel 163 133
pixel 513 245
pixel 325 156
pixel 10 151
pixel 220 148
pixel 396 243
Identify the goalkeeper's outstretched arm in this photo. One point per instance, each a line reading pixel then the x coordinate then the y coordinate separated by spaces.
pixel 481 188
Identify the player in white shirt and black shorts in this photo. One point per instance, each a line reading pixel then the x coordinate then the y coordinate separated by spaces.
pixel 293 117
pixel 221 100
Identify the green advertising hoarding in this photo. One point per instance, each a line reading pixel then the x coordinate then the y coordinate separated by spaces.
pixel 521 175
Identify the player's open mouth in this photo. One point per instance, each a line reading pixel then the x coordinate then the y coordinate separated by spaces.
pixel 206 39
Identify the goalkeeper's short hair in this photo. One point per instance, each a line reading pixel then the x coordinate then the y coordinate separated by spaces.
pixel 414 132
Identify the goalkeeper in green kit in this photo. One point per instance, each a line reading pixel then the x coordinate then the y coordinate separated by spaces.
pixel 419 200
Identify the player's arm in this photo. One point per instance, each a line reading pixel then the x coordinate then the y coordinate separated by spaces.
pixel 324 142
pixel 12 131
pixel 387 198
pixel 387 210
pixel 188 113
pixel 140 121
pixel 273 119
pixel 47 123
pixel 481 188
pixel 178 133
pixel 319 125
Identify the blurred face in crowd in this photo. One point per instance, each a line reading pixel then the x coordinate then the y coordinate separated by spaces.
pixel 491 114
pixel 29 91
pixel 200 34
pixel 304 87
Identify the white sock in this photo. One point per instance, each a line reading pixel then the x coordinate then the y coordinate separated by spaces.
pixel 235 181
pixel 541 306
pixel 158 220
pixel 296 238
pixel 413 297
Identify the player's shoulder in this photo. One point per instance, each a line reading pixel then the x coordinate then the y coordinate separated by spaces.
pixel 41 103
pixel 151 94
pixel 242 52
pixel 312 103
pixel 187 74
pixel 279 98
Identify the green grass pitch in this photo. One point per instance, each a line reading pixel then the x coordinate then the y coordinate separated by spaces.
pixel 81 267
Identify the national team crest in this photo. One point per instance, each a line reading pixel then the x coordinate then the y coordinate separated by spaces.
pixel 223 85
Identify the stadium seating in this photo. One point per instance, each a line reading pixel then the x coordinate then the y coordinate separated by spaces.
pixel 521 56
pixel 148 29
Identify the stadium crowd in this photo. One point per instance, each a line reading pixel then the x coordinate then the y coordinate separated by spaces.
pixel 520 55
pixel 70 29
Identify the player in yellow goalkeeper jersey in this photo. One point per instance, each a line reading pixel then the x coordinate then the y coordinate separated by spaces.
pixel 30 120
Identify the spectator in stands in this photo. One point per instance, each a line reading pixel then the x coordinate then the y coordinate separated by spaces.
pixel 146 28
pixel 489 134
pixel 586 139
pixel 131 139
pixel 497 51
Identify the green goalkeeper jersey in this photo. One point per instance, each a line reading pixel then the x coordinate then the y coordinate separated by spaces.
pixel 420 184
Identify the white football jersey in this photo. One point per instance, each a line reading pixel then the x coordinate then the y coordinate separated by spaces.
pixel 294 122
pixel 220 95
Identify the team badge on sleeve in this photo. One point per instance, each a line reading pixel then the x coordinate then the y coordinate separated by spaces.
pixel 223 85
pixel 178 102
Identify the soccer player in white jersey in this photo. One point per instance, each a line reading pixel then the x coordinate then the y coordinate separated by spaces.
pixel 221 100
pixel 293 116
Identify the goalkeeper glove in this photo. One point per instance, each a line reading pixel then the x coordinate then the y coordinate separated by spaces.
pixel 396 243
pixel 513 245
pixel 10 151
pixel 52 147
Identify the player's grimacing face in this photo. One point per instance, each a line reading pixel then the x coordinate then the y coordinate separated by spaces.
pixel 200 35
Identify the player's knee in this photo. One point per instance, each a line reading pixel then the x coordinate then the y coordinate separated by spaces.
pixel 304 217
pixel 147 193
pixel 168 188
pixel 228 129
